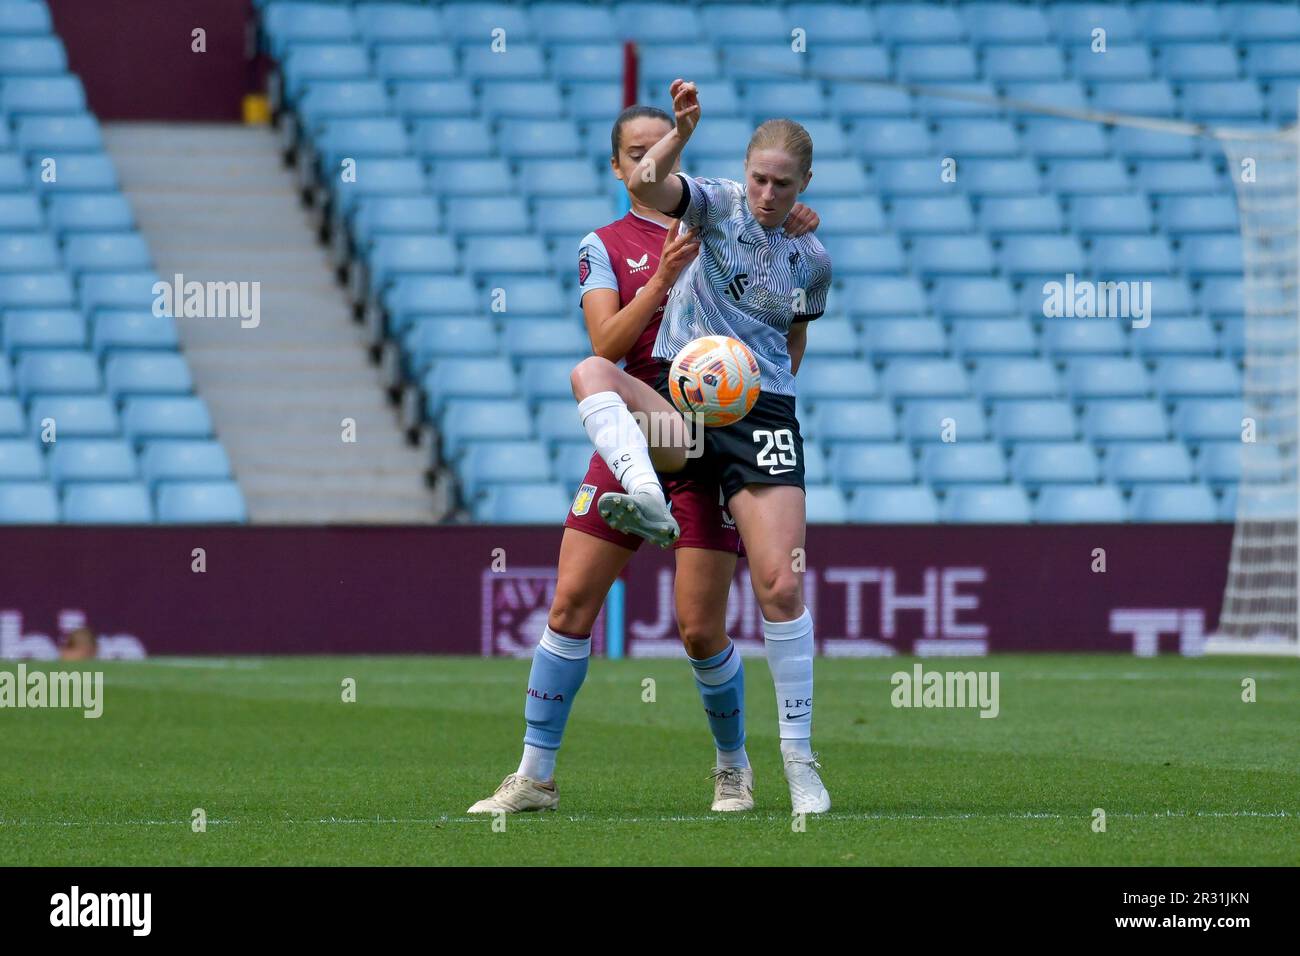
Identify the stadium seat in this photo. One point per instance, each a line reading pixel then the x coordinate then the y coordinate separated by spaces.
pixel 918 23
pixel 26 502
pixel 63 371
pixel 986 504
pixel 1103 214
pixel 1079 504
pixel 101 459
pixel 1209 213
pixel 497 462
pixel 1024 256
pixel 952 255
pixel 1132 462
pixel 1186 377
pixel 47 95
pixel 523 503
pixel 1209 419
pixel 183 461
pixel 108 502
pixel 21 460
pixel 1169 503
pixel 1199 61
pixel 965 297
pixel 1165 337
pixel 31 56
pixel 1039 463
pixel 145 418
pixel 91 212
pixel 1023 62
pixel 1118 62
pixel 1067 338
pixel 1016 378
pixel 855 463
pixel 1125 420
pixel 1107 378
pixel 949 419
pixel 1223 101
pixel 894 504
pixel 1034 420
pixel 1065 139
pixel 977 338
pixel 836 420
pixel 1179 22
pixel 886 338
pixel 85 416
pixel 947 463
pixel 825 504
pixel 836 379
pixel 201 502
pixel 924 378
pixel 43 329
pixel 878 296
pixel 399 23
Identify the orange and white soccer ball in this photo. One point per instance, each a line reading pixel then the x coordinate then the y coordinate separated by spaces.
pixel 716 378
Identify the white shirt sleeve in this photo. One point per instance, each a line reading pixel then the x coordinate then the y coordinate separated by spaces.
pixel 594 269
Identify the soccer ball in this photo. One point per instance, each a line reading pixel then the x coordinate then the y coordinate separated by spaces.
pixel 716 378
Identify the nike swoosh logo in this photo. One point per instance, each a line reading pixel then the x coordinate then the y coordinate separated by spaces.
pixel 797 716
pixel 778 471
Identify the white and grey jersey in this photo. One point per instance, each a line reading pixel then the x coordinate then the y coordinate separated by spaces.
pixel 749 282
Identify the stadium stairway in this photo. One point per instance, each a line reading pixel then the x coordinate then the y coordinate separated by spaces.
pixel 216 204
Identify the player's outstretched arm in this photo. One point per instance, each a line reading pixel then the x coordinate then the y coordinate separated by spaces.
pixel 651 182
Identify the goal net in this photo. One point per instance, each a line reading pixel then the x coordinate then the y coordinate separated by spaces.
pixel 1260 599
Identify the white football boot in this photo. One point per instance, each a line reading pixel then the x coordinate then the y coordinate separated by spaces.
pixel 644 514
pixel 807 792
pixel 518 794
pixel 733 789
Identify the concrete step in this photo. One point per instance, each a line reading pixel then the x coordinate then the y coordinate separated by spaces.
pixel 303 507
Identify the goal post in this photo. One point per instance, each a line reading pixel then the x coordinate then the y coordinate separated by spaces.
pixel 1262 593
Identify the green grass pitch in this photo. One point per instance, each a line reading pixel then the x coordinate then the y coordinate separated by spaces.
pixel 287 773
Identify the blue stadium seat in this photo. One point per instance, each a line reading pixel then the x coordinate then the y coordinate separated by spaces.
pixel 802 98
pixel 1023 256
pixel 1023 62
pixel 952 255
pixel 998 177
pixel 28 503
pixel 13 421
pixel 1223 100
pixel 847 63
pixel 91 212
pixel 43 329
pixel 886 338
pixel 24 18
pixel 835 177
pixel 1117 214
pixel 465 421
pixel 1134 143
pixel 977 338
pixel 542 378
pixel 913 177
pixel 1190 377
pixel 931 63
pixel 452 137
pixel 20 460
pixel 960 297
pixel 359 138
pixel 149 417
pixel 93 459
pixel 1269 61
pixel 1181 22
pixel 660 64
pixel 399 62
pixel 924 378
pixel 1168 176
pixel 184 461
pixel 1208 213
pixel 295 23
pixel 1125 420
pixel 997 23
pixel 591 61
pixel 836 420
pixel 557 421
pixel 492 462
pixel 882 296
pixel 147 373
pixel 1079 504
pixel 525 62
pixel 894 504
pixel 27 252
pixel 1090 177
pixel 386 215
pixel 107 502
pixel 20 212
pixel 380 177
pixel 306 64
pixel 1221 296
pixel 468 378
pixel 950 419
pixel 1176 503
pixel 881 138
pixel 962 461
pixel 1115 256
pixel 858 254
pixel 1199 61
pixel 833 23
pixel 523 503
pixel 835 338
pixel 201 502
pixel 1067 338
pixel 460 178
pixel 1061 94
pixel 1107 378
pixel 32 56
pixel 1133 462
pixel 1219 462
pixel 1065 139
pixel 63 372
pixel 515 296
pixel 932 214
pixel 528 337
pixel 399 23
pixel 333 99
pixel 396 255
pixel 79 416
pixel 1034 420
pixel 505 255
pixel 121 290
pixel 1074 22
pixel 107 252
pixel 1261 21
pixel 1041 463
pixel 960 98
pixel 1209 419
pixel 1165 337
pixel 856 463
pixel 847 215
pixel 825 504
pixel 1016 378
pixel 1211 255
pixel 1118 62
pixel 36 290
pixel 487 214
pixel 918 23
pixel 47 95
pixel 836 378
pixel 1143 97
pixel 986 504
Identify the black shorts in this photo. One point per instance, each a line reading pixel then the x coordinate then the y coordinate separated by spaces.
pixel 763 448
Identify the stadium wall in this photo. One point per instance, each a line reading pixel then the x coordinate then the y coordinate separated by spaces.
pixel 485 590
pixel 138 58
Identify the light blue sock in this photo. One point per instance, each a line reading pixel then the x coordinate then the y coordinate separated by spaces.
pixel 721 680
pixel 559 668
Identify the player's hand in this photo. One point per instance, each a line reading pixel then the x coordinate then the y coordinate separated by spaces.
pixel 801 219
pixel 686 106
pixel 680 250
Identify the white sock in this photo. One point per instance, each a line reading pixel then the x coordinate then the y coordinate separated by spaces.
pixel 732 758
pixel 789 646
pixel 538 763
pixel 619 441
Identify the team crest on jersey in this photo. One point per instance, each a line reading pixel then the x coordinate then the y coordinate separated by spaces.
pixel 639 265
pixel 582 501
pixel 584 265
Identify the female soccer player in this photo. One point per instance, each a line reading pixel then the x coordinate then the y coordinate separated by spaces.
pixel 754 282
pixel 625 270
